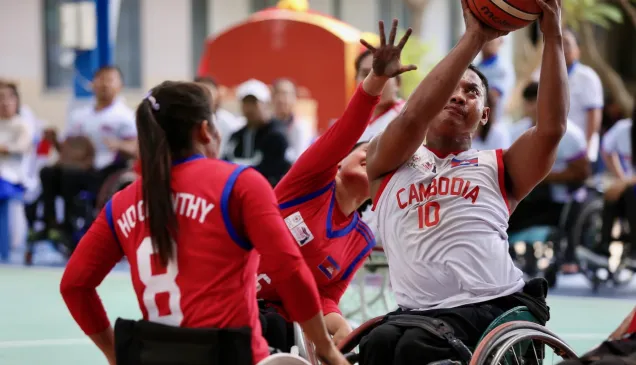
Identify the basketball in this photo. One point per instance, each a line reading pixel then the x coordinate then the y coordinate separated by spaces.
pixel 505 15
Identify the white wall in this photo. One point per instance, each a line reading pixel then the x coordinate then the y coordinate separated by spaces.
pixel 166 47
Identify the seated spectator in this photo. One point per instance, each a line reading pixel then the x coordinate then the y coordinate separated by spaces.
pixel 16 137
pixel 300 133
pixel 620 198
pixel 563 185
pixel 108 126
pixel 262 143
pixel 226 123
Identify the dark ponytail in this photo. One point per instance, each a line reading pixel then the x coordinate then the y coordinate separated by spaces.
pixel 165 119
pixel 156 163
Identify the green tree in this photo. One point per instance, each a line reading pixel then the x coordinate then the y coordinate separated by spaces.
pixel 583 16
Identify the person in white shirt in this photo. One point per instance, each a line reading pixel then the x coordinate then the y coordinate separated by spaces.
pixel 563 186
pixel 586 95
pixel 620 198
pixel 500 74
pixel 100 139
pixel 226 122
pixel 16 139
pixel 300 134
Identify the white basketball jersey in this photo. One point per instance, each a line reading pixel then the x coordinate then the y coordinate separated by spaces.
pixel 443 223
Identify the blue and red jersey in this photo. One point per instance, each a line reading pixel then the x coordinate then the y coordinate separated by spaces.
pixel 224 212
pixel 333 245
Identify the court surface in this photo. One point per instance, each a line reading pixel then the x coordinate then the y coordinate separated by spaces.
pixel 36 328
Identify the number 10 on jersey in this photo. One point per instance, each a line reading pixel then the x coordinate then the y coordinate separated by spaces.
pixel 428 214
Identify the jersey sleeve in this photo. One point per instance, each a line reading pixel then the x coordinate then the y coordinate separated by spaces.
pixel 318 165
pixel 95 256
pixel 592 95
pixel 330 295
pixel 258 216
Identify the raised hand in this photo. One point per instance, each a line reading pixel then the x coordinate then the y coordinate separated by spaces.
pixel 386 58
pixel 475 26
pixel 550 20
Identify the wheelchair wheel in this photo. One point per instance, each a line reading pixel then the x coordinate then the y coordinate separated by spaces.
pixel 521 342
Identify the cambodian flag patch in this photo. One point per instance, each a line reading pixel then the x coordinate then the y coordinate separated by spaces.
pixel 470 162
pixel 329 267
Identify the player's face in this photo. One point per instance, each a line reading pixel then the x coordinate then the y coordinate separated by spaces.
pixel 107 84
pixel 353 168
pixel 570 48
pixel 390 89
pixel 465 110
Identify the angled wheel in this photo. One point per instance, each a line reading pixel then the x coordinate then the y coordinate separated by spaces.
pixel 521 342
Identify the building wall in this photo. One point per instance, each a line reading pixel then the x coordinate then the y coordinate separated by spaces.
pixel 167 41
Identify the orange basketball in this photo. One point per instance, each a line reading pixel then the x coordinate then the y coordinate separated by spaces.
pixel 506 15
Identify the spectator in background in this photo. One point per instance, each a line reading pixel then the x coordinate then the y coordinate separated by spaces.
pixel 262 143
pixel 586 95
pixel 492 135
pixel 100 140
pixel 500 74
pixel 300 133
pixel 16 138
pixel 390 104
pixel 226 123
pixel 564 184
pixel 620 197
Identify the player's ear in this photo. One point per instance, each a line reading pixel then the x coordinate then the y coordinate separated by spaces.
pixel 203 133
pixel 485 115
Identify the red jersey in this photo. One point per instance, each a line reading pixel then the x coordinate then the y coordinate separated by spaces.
pixel 333 245
pixel 223 210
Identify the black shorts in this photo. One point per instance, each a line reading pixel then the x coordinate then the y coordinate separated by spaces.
pixel 392 344
pixel 278 333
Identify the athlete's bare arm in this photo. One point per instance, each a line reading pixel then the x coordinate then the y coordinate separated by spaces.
pixel 405 134
pixel 531 157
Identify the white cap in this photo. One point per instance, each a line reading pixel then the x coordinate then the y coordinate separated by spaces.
pixel 256 88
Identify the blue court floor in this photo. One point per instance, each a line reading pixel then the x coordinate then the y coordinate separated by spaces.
pixel 36 328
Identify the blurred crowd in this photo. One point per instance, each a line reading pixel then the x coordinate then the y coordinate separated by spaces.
pixel 60 178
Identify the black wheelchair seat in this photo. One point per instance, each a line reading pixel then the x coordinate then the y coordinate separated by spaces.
pixel 146 343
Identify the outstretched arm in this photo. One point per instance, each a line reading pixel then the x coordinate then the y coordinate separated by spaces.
pixel 405 134
pixel 318 166
pixel 540 142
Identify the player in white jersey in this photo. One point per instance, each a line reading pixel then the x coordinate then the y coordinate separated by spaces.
pixel 443 207
pixel 620 198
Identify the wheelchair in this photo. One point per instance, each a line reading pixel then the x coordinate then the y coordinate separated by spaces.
pixel 87 206
pixel 515 337
pixel 587 233
pixel 540 250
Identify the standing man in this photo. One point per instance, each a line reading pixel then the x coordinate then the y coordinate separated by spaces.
pixel 300 133
pixel 586 97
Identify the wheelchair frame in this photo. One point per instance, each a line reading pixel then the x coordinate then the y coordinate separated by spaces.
pixel 506 332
